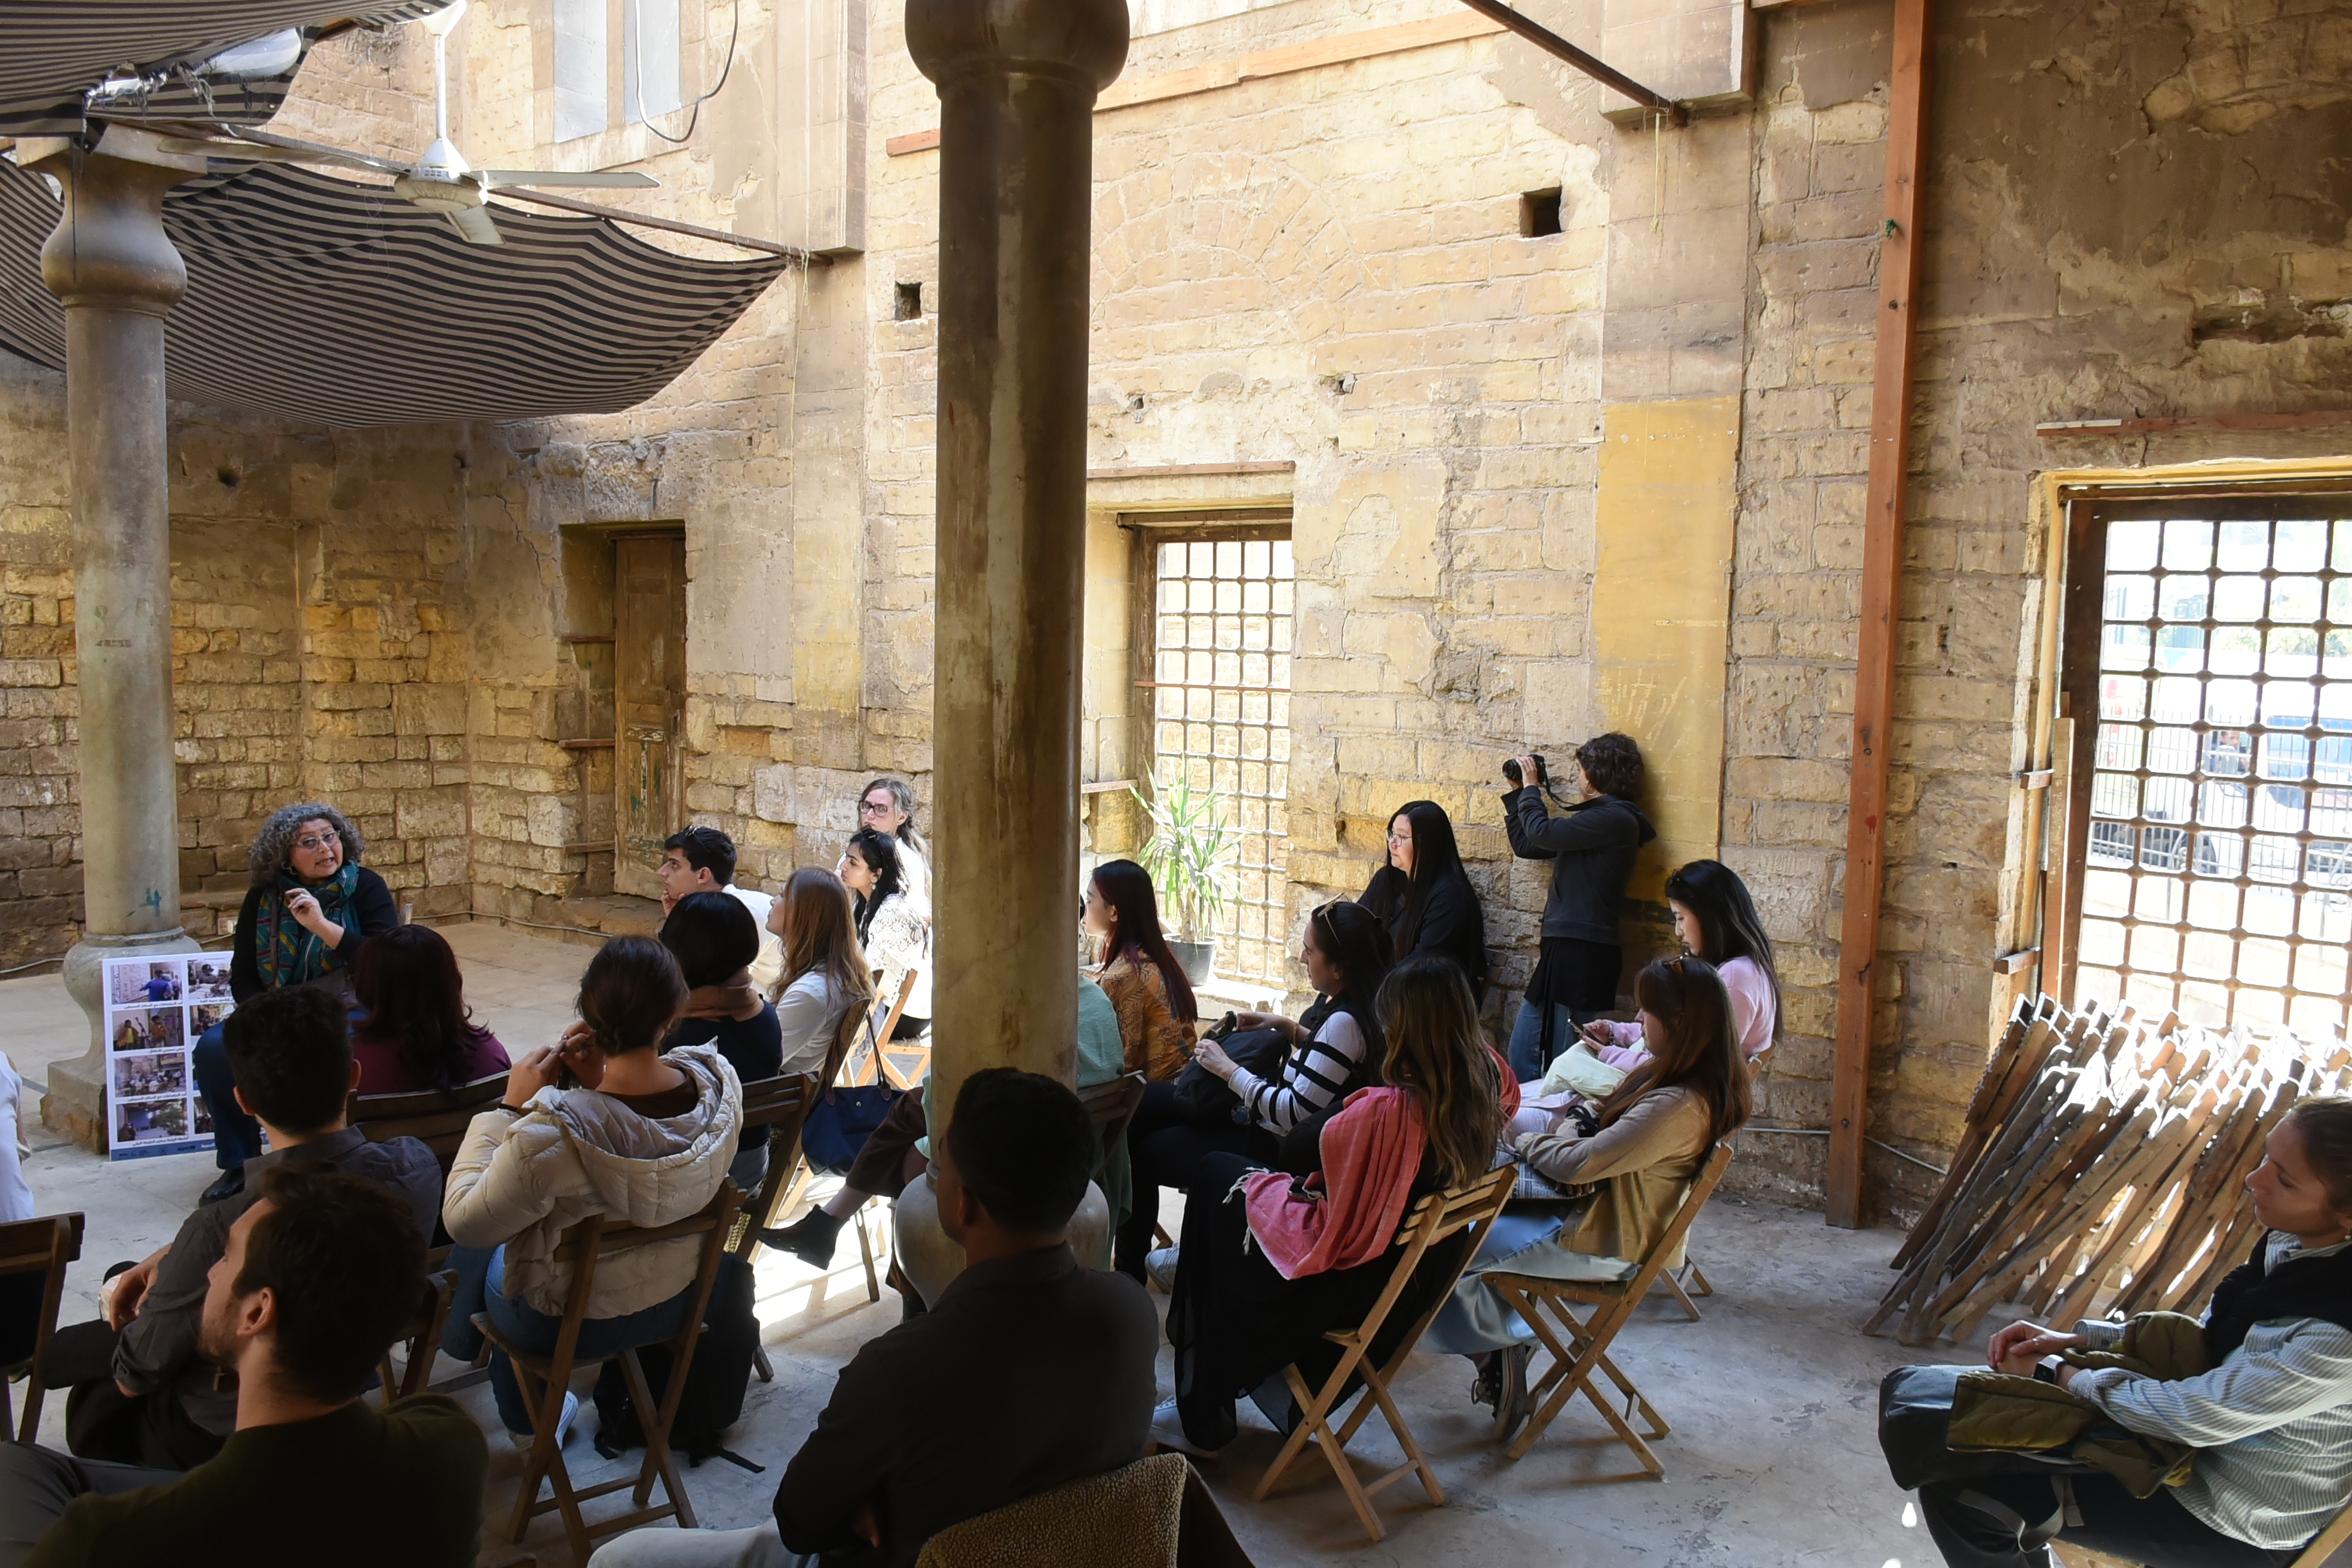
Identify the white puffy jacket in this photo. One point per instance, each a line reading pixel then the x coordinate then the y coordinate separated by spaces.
pixel 522 1181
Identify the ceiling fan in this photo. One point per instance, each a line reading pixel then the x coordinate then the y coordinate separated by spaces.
pixel 442 180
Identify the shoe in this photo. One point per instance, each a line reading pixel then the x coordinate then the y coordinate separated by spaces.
pixel 523 1441
pixel 1167 1432
pixel 1511 1406
pixel 1160 1264
pixel 809 1238
pixel 1487 1388
pixel 226 1185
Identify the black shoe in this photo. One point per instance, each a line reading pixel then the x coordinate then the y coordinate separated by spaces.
pixel 228 1186
pixel 809 1238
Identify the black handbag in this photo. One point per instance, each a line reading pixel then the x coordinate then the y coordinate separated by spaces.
pixel 1205 1099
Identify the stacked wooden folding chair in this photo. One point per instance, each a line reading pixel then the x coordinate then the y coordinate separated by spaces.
pixel 779 1105
pixel 544 1379
pixel 33 1257
pixel 1612 1293
pixel 1431 1220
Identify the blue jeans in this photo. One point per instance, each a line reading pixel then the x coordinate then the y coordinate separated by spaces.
pixel 482 1287
pixel 1526 1055
pixel 236 1136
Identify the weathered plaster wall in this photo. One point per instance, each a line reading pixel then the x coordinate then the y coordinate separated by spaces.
pixel 2105 184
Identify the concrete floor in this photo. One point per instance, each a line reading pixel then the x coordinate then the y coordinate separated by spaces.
pixel 1772 1460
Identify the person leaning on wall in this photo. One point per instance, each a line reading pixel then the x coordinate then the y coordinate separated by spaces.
pixel 1592 846
pixel 310 909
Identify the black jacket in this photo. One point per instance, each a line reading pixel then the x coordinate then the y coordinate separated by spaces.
pixel 1452 921
pixel 1030 1373
pixel 1591 846
pixel 372 913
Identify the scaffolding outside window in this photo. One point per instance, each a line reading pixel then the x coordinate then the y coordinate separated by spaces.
pixel 1220 692
pixel 2217 869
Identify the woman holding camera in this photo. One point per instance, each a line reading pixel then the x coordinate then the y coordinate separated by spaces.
pixel 1591 846
pixel 1717 921
pixel 1423 896
pixel 1327 1053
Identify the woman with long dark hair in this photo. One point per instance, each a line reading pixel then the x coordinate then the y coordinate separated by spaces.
pixel 1270 1264
pixel 418 1033
pixel 1424 897
pixel 1630 1158
pixel 1330 1050
pixel 893 927
pixel 1591 846
pixel 1715 920
pixel 1138 971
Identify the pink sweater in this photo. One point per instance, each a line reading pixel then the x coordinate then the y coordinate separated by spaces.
pixel 1753 1014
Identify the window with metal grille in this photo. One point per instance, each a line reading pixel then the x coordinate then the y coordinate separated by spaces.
pixel 1219 690
pixel 2216 864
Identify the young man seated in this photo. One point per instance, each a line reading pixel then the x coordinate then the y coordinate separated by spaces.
pixel 1031 1371
pixel 320 1272
pixel 165 1407
pixel 702 860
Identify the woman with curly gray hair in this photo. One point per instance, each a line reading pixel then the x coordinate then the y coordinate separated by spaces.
pixel 310 907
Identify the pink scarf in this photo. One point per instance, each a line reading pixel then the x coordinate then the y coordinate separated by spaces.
pixel 1348 1213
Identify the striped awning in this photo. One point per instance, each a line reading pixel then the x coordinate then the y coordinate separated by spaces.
pixel 312 298
pixel 53 51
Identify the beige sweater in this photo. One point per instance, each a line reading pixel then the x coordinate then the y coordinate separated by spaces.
pixel 1640 1164
pixel 522 1181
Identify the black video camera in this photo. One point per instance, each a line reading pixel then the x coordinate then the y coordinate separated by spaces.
pixel 1511 770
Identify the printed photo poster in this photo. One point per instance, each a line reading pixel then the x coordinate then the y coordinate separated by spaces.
pixel 157 1008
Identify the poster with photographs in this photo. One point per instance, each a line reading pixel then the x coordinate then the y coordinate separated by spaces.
pixel 157 1008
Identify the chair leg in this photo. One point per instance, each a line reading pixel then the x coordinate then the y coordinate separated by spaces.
pixel 1699 1287
pixel 1682 1297
pixel 1625 1433
pixel 660 1460
pixel 1568 1373
pixel 8 1420
pixel 545 1461
pixel 30 1427
pixel 866 1251
pixel 762 1365
pixel 1376 1384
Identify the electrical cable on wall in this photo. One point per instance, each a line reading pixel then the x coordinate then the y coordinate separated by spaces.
pixel 692 111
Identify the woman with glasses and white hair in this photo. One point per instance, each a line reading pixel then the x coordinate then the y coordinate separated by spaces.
pixel 310 908
pixel 888 807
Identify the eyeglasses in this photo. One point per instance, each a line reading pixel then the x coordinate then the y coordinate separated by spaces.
pixel 867 808
pixel 316 843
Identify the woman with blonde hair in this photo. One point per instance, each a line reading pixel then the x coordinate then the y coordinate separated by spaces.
pixel 825 970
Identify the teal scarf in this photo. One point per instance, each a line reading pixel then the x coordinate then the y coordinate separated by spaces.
pixel 286 952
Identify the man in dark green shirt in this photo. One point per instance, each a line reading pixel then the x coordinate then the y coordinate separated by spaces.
pixel 317 1277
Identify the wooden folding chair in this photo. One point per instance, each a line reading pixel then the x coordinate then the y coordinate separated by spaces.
pixel 1110 1106
pixel 2327 1542
pixel 435 1118
pixel 886 1049
pixel 1431 1220
pixel 34 1252
pixel 1686 1283
pixel 423 1335
pixel 545 1377
pixel 780 1105
pixel 1612 1300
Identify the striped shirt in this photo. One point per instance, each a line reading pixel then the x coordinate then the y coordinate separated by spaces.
pixel 1312 1073
pixel 2271 1425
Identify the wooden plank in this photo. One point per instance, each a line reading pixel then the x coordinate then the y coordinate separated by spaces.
pixel 913 142
pixel 1195 471
pixel 1882 569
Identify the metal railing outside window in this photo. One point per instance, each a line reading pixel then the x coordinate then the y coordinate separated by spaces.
pixel 1219 689
pixel 2217 873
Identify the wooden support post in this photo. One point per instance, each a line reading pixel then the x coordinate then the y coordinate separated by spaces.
pixel 1881 595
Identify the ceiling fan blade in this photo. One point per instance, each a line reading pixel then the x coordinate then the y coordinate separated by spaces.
pixel 473 226
pixel 613 181
pixel 281 152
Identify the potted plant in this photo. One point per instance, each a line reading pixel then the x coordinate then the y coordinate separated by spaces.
pixel 1189 857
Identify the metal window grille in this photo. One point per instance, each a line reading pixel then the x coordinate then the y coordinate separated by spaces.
pixel 1220 688
pixel 2217 878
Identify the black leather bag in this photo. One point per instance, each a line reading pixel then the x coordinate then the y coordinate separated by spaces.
pixel 1205 1097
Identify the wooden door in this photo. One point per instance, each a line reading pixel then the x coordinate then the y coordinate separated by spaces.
pixel 648 703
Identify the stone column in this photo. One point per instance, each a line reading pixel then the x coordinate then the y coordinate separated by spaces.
pixel 112 268
pixel 1017 80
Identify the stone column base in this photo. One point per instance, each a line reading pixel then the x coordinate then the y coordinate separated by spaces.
pixel 76 1103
